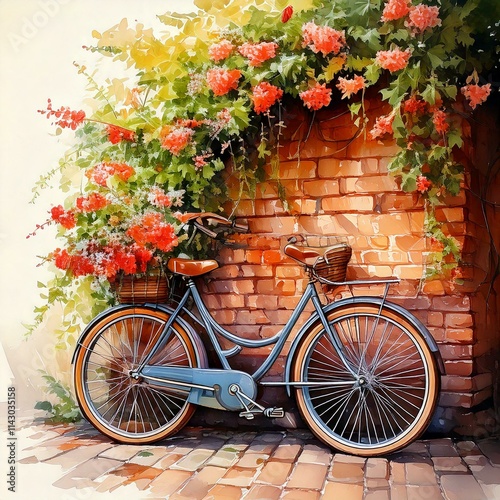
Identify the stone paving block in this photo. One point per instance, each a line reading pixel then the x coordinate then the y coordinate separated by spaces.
pixel 461 487
pixel 425 492
pixel 274 472
pixel 346 472
pixel 242 478
pixel 168 482
pixel 301 495
pixel 310 476
pixel 252 460
pixel 491 448
pixel 84 474
pixel 420 474
pixel 398 474
pixel 193 460
pixel 224 492
pixel 378 495
pixel 377 468
pixel 466 448
pixel 122 452
pixel 77 456
pixel 199 485
pixel 314 454
pixel 167 461
pixel 347 491
pixel 442 448
pixel 226 457
pixel 449 464
pixel 486 474
pixel 349 459
pixel 287 452
pixel 263 492
pixel 399 492
pixel 149 456
pixel 418 447
pixel 376 483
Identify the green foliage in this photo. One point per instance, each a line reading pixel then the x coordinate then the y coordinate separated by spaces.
pixel 65 410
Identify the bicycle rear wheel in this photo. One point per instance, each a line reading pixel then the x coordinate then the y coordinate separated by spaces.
pixel 394 400
pixel 122 408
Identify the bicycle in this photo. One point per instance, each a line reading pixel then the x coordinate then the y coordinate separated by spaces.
pixel 365 372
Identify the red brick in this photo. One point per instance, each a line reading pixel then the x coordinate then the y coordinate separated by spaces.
pixel 318 188
pixel 361 148
pixel 376 184
pixel 278 225
pixel 393 224
pixel 224 316
pixel 289 272
pixel 409 272
pixel 333 168
pixel 460 335
pixel 348 204
pixel 253 256
pixel 456 384
pixel 384 257
pixel 410 243
pixel 434 287
pixel 399 202
pixel 460 400
pixel 451 303
pixel 338 224
pixel 451 214
pixel 233 286
pixel 462 367
pixel 435 318
pixel 381 242
pixel 254 317
pixel 272 256
pixel 458 320
pixel 297 170
pixel 455 351
pixel 257 270
pixel 244 208
pixel 261 301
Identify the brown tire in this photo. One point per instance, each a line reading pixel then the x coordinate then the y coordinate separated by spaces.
pixel 390 399
pixel 124 409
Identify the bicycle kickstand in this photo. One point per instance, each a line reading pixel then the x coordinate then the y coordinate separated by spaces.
pixel 254 408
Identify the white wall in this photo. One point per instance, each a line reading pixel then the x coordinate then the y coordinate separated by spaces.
pixel 39 40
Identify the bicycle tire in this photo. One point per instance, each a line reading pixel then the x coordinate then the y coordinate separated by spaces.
pixel 394 404
pixel 127 410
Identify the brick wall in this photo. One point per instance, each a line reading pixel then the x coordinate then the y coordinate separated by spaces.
pixel 336 183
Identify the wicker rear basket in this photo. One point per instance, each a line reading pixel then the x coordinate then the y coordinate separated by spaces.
pixel 132 289
pixel 333 265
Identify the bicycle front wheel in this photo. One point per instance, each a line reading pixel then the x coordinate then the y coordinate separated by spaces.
pixel 123 408
pixel 390 401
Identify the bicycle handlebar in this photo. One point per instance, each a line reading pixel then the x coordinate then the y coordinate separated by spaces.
pixel 197 219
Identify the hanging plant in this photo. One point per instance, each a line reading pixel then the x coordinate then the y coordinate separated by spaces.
pixel 207 96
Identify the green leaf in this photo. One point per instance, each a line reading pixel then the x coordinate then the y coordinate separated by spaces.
pixel 436 55
pixel 429 94
pixel 44 405
pixel 354 108
pixel 372 73
pixel 144 454
pixel 455 139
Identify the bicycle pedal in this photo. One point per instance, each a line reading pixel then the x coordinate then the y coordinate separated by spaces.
pixel 274 412
pixel 247 414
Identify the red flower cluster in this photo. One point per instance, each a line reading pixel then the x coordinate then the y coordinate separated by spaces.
pixel 423 184
pixel 92 202
pixel 117 134
pixel 64 217
pixel 476 94
pixel 176 140
pixel 349 87
pixel 220 51
pixel 264 95
pixel 257 53
pixel 383 125
pixel 106 261
pixel 317 97
pixel 395 9
pixel 151 229
pixel 393 60
pixel 66 118
pixel 323 38
pixel 100 173
pixel 422 17
pixel 221 81
pixel 159 198
pixel 414 105
pixel 440 123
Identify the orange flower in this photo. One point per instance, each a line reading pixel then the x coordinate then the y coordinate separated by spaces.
pixel 264 95
pixel 117 134
pixel 383 125
pixel 395 9
pixel 323 38
pixel 92 202
pixel 220 51
pixel 393 60
pixel 414 105
pixel 257 53
pixel 176 140
pixel 440 123
pixel 100 173
pixel 476 94
pixel 423 184
pixel 317 97
pixel 422 17
pixel 349 87
pixel 221 81
pixel 63 217
pixel 65 117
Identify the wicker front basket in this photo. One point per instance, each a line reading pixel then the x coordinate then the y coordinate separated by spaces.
pixel 333 265
pixel 132 289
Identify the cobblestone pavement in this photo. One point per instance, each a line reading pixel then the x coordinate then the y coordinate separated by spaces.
pixel 75 462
